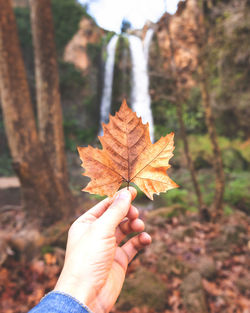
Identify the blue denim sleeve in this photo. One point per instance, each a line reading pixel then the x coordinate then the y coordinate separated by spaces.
pixel 59 302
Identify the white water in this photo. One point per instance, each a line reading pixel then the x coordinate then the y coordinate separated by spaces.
pixel 108 80
pixel 147 42
pixel 141 102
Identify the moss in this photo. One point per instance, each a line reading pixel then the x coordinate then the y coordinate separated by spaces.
pixel 143 288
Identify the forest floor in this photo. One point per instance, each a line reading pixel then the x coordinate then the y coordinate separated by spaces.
pixel 191 266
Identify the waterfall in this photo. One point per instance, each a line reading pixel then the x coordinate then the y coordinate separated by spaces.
pixel 141 102
pixel 108 80
pixel 147 42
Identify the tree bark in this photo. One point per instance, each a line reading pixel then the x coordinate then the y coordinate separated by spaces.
pixel 44 195
pixel 217 158
pixel 49 109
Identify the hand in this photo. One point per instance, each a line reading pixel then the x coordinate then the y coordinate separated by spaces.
pixel 95 265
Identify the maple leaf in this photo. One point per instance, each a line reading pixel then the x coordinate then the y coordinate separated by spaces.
pixel 128 155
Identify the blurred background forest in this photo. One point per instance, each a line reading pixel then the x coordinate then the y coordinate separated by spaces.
pixel 60 76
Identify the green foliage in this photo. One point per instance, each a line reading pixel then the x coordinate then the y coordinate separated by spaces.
pixel 5 165
pixel 165 118
pixel 25 38
pixel 193 116
pixel 75 135
pixel 234 160
pixel 175 196
pixel 228 210
pixel 237 191
pixel 24 28
pixel 94 51
pixel 228 60
pixel 106 39
pixel 67 15
pixel 71 80
pixel 235 153
pixel 47 249
pixel 97 197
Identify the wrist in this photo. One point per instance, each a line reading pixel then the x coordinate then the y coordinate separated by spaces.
pixel 80 291
pixel 66 302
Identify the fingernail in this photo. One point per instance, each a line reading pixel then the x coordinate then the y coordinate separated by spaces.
pixel 125 194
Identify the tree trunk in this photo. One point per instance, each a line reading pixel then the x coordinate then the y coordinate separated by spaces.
pixel 49 109
pixel 203 30
pixel 190 162
pixel 178 101
pixel 44 195
pixel 217 158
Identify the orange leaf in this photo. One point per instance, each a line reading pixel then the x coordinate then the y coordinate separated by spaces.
pixel 49 258
pixel 128 155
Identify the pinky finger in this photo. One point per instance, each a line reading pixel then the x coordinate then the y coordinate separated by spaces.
pixel 135 244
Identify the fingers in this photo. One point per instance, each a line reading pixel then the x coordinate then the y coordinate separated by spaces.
pixel 128 226
pixel 127 252
pixel 133 213
pixel 112 217
pixel 135 244
pixel 97 210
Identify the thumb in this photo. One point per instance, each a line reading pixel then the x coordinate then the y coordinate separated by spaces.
pixel 113 216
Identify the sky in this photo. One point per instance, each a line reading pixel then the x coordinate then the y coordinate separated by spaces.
pixel 110 13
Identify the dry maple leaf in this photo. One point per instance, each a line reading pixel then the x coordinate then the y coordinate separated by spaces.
pixel 128 155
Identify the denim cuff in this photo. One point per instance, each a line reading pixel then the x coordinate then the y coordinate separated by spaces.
pixel 60 302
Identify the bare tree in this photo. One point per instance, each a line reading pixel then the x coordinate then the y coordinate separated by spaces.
pixel 202 41
pixel 45 196
pixel 49 109
pixel 178 96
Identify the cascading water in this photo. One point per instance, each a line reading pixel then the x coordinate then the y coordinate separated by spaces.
pixel 141 102
pixel 147 42
pixel 108 80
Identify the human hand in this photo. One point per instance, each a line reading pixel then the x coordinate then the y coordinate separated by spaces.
pixel 95 265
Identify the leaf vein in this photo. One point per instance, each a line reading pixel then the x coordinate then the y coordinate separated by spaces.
pixel 150 162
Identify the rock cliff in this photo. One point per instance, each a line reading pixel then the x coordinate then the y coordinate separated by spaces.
pixel 76 50
pixel 179 29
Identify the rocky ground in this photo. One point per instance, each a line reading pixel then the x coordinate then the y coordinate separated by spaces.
pixel 190 267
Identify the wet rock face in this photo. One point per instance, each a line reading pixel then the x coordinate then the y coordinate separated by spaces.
pixel 193 294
